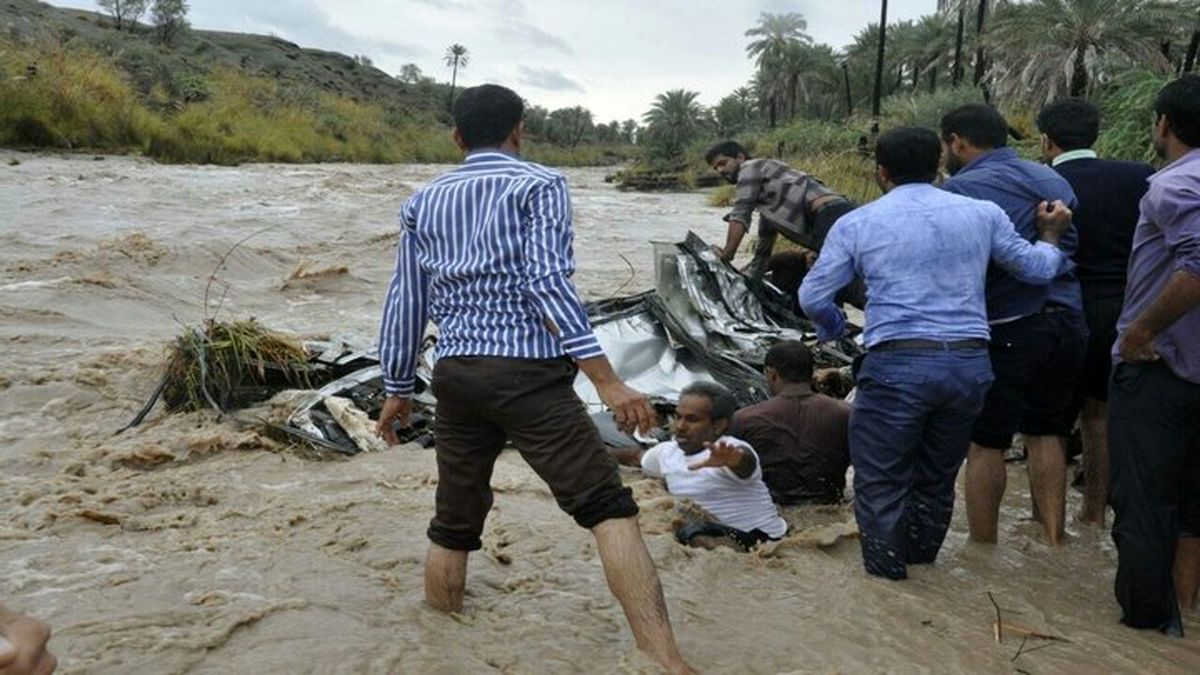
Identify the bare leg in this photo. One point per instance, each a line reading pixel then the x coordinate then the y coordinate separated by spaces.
pixel 1094 427
pixel 1048 483
pixel 1187 572
pixel 634 581
pixel 445 578
pixel 987 478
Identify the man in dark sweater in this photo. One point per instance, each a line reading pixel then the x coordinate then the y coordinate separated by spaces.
pixel 1107 214
pixel 802 437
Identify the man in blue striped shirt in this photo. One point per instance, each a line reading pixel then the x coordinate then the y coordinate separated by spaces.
pixel 486 253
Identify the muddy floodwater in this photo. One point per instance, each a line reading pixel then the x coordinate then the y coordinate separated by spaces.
pixel 193 544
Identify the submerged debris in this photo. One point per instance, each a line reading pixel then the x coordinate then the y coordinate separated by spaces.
pixel 231 365
pixel 703 320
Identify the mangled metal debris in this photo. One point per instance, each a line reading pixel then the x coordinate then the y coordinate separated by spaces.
pixel 702 321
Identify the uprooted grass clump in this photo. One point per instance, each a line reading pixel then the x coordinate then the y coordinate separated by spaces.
pixel 230 365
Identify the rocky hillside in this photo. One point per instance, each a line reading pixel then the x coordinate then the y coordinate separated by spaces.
pixel 198 51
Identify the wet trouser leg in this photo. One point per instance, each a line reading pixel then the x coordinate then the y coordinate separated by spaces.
pixel 947 437
pixel 1154 447
pixel 909 433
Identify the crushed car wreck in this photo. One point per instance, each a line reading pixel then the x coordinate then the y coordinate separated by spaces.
pixel 703 320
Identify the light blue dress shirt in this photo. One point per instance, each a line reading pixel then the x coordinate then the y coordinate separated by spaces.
pixel 923 253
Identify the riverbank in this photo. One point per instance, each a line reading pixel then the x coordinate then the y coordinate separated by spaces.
pixel 63 96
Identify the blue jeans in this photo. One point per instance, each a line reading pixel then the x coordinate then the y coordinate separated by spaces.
pixel 909 433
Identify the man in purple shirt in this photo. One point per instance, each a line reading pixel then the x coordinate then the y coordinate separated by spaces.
pixel 1154 397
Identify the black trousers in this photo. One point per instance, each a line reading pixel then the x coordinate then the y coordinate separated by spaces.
pixel 1154 448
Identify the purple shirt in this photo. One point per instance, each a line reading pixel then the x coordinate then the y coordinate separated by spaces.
pixel 1168 240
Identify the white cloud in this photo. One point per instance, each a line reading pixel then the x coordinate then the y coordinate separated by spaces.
pixel 621 53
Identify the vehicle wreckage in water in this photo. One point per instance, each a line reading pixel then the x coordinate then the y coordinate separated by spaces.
pixel 703 320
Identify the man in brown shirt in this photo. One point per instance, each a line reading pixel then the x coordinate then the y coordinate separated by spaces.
pixel 802 437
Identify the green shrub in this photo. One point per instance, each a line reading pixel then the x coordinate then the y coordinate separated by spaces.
pixel 1127 114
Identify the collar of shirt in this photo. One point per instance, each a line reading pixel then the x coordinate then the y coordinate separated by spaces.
pixel 1071 155
pixel 911 187
pixel 489 154
pixel 997 155
pixel 798 390
pixel 1181 164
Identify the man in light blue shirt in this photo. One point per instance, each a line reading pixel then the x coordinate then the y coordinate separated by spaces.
pixel 924 255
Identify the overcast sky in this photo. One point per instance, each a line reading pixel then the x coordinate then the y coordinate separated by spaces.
pixel 611 56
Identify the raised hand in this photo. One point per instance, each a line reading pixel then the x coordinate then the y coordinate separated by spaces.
pixel 721 453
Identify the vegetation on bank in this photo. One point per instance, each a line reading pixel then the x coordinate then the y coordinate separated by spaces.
pixel 811 104
pixel 75 98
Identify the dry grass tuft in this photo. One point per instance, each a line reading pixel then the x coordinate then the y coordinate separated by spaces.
pixel 229 365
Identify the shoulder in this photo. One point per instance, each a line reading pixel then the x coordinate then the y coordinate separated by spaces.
pixel 541 172
pixel 751 414
pixel 1041 171
pixel 834 405
pixel 950 196
pixel 1123 166
pixel 663 449
pixel 1173 192
pixel 755 168
pixel 964 181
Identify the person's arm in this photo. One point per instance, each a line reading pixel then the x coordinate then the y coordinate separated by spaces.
pixel 405 315
pixel 745 200
pixel 763 247
pixel 1180 296
pixel 651 461
pixel 1179 220
pixel 1037 263
pixel 23 645
pixel 734 457
pixel 627 456
pixel 833 271
pixel 549 264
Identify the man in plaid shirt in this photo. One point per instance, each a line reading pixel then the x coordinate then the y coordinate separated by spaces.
pixel 788 201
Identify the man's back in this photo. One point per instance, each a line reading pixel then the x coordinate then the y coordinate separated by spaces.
pixel 923 253
pixel 803 444
pixel 487 256
pixel 1018 186
pixel 1107 215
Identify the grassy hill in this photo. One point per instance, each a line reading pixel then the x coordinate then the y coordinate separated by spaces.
pixel 199 52
pixel 69 79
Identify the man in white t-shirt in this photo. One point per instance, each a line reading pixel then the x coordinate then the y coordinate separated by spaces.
pixel 720 473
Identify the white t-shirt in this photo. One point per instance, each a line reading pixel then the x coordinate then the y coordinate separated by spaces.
pixel 743 503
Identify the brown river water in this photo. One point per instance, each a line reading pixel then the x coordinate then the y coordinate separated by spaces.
pixel 194 545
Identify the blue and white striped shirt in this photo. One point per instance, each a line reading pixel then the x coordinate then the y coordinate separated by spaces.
pixel 485 251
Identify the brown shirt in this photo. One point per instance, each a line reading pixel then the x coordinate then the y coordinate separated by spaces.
pixel 803 443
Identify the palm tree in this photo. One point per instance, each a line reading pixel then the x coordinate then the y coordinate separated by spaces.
pixel 924 47
pixel 674 121
pixel 1047 48
pixel 777 36
pixel 456 57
